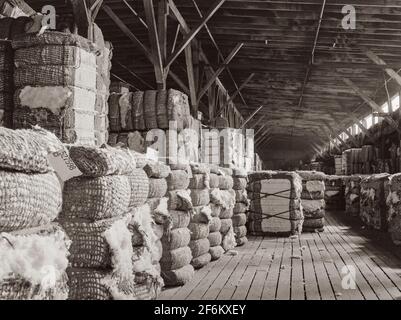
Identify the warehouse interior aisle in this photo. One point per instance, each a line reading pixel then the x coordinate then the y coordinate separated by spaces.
pixel 309 267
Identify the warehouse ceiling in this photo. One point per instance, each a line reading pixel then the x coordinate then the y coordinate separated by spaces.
pixel 298 50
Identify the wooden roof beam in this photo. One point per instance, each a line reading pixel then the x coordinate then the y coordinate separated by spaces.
pixel 220 70
pixel 371 103
pixel 238 91
pixel 192 34
pixel 376 59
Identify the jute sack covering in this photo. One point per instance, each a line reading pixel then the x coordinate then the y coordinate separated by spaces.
pixel 226 213
pixel 177 238
pixel 28 200
pixel 200 197
pixel 114 112
pixel 201 261
pixel 240 208
pixel 241 196
pixel 24 257
pixel 226 171
pixel 139 183
pixel 275 203
pixel 149 108
pixel 215 210
pixel 239 220
pixel 180 219
pixel 178 180
pixel 202 214
pixel 97 162
pixel 313 208
pixel 215 239
pixel 27 150
pixel 95 284
pixel 311 175
pixel 240 173
pixel 242 241
pixel 216 252
pixel 178 277
pixel 372 201
pixel 156 170
pixel 393 196
pixel 89 246
pixel 200 168
pixel 214 181
pixel 161 109
pixel 313 224
pixel 178 164
pixel 226 225
pixel 96 198
pixel 180 200
pixel 177 102
pixel 138 119
pixel 352 195
pixel 198 230
pixel 313 190
pixel 240 232
pixel 175 259
pixel 226 182
pixel 240 183
pixel 157 188
pixel 125 104
pixel 215 224
pixel 199 247
pixel 199 181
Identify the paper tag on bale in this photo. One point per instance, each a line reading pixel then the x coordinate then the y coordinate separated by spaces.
pixel 63 165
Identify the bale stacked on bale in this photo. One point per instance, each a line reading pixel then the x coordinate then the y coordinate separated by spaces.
pixel 393 196
pixel 6 84
pixel 215 237
pixel 239 218
pixel 55 79
pixel 97 210
pixel 372 201
pixel 176 268
pixel 334 193
pixel 312 199
pixel 225 199
pixel 33 250
pixel 352 195
pixel 275 203
pixel 201 218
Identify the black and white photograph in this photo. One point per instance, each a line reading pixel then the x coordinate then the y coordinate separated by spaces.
pixel 200 156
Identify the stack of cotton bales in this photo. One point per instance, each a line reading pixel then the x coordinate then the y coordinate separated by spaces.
pixel 239 218
pixel 6 84
pixel 334 193
pixel 393 201
pixel 352 195
pixel 200 220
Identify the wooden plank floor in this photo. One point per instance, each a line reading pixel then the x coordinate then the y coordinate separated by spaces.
pixel 310 267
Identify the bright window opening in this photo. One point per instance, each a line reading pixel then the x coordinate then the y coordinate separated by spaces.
pixel 395 102
pixel 369 121
pixel 385 108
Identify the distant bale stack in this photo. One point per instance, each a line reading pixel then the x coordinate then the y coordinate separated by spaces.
pixel 393 217
pixel 373 211
pixel 352 195
pixel 176 268
pixel 275 203
pixel 31 245
pixel 239 218
pixel 55 81
pixel 334 193
pixel 312 199
pixel 199 226
pixel 6 84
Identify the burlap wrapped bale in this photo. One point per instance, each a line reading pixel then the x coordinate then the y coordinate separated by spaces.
pixel 334 193
pixel 178 277
pixel 240 232
pixel 226 182
pixel 125 104
pixel 372 201
pixel 177 106
pixel 97 162
pixel 27 150
pixel 28 200
pixel 200 197
pixel 241 196
pixel 275 203
pixel 157 188
pixel 226 225
pixel 149 107
pixel 161 109
pixel 201 214
pixel 201 261
pixel 175 259
pixel 89 246
pixel 240 183
pixel 178 180
pixel 393 192
pixel 242 241
pixel 96 198
pixel 180 200
pixel 352 195
pixel 198 230
pixel 240 173
pixel 214 181
pixel 239 220
pixel 139 183
pixel 156 170
pixel 177 238
pixel 215 224
pixel 216 252
pixel 215 210
pixel 199 247
pixel 138 111
pixel 180 219
pixel 215 239
pixel 240 208
pixel 114 112
pixel 199 181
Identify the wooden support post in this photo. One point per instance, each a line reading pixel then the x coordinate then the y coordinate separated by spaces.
pixel 82 17
pixel 191 35
pixel 191 81
pixel 220 70
pixel 155 44
pixel 251 116
pixel 371 103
